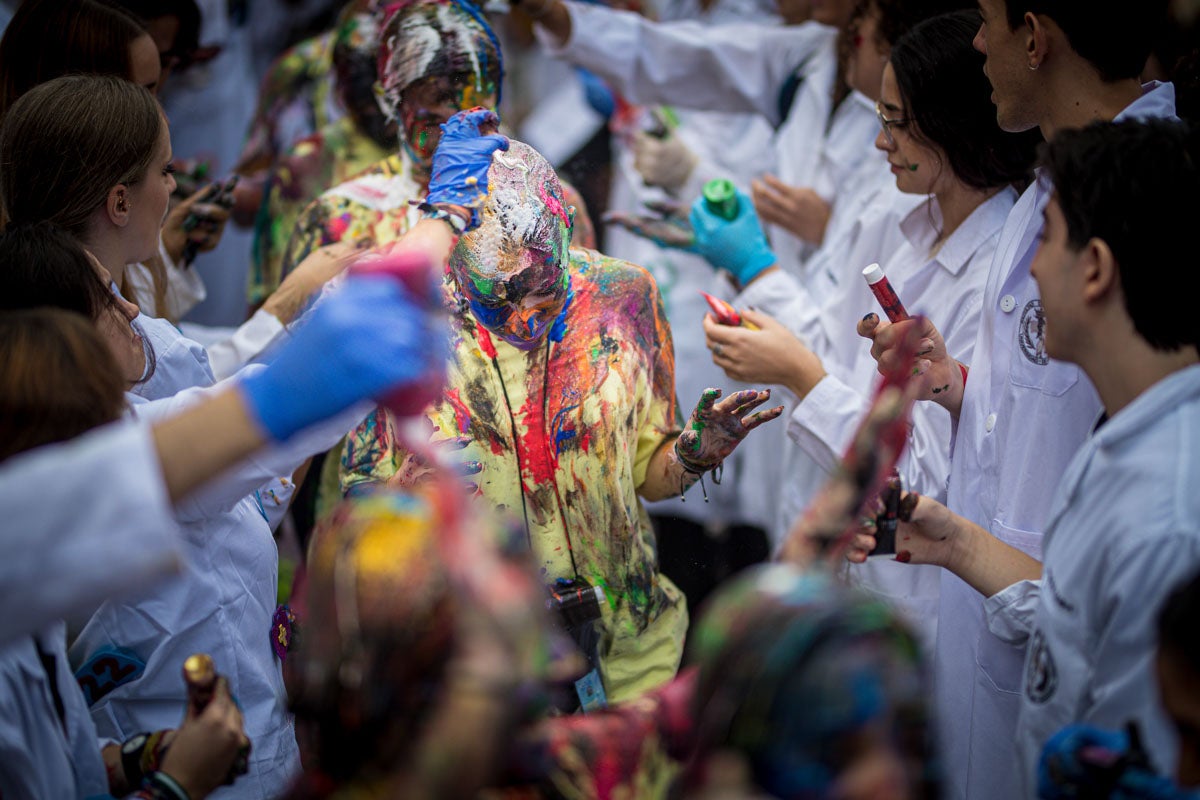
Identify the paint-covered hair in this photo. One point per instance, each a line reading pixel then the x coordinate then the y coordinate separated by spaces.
pixel 525 207
pixel 426 38
pixel 793 667
pixel 945 94
pixel 1135 185
pixel 355 56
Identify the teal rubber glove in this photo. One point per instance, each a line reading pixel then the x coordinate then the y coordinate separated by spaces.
pixel 361 342
pixel 737 246
pixel 461 162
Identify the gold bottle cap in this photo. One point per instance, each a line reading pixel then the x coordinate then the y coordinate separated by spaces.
pixel 199 669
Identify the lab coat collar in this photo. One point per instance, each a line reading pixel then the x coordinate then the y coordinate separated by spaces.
pixel 921 225
pixel 1157 102
pixel 1147 409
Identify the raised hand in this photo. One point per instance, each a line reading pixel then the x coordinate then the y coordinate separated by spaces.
pixel 715 428
pixel 736 245
pixel 462 159
pixel 667 225
pixel 797 209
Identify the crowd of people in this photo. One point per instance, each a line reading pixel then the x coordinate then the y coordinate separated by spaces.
pixel 903 285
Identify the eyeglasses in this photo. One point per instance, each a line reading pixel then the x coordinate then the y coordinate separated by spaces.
pixel 888 124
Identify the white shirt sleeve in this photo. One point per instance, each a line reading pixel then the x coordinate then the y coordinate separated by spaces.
pixel 84 520
pixel 253 337
pixel 1010 612
pixel 262 470
pixel 712 68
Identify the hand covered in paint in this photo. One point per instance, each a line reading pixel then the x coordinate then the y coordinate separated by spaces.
pixel 715 427
pixel 665 162
pixel 418 467
pixel 937 377
pixel 797 209
pixel 737 246
pixel 770 354
pixel 462 159
pixel 361 342
pixel 927 533
pixel 1085 761
pixel 667 226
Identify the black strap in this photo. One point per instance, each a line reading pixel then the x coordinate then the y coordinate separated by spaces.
pixel 50 665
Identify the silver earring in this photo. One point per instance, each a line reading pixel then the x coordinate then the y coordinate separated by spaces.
pixel 1033 67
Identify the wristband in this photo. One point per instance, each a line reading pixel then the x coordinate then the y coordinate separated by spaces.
pixel 164 786
pixel 447 213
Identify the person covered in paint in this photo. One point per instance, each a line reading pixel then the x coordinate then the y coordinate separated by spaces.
pixel 561 380
pixel 336 152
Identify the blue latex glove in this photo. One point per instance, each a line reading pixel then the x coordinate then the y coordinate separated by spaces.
pixel 359 343
pixel 737 246
pixel 1085 761
pixel 462 159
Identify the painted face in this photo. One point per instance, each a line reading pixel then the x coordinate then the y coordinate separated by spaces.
pixel 512 269
pixel 1007 67
pixel 436 57
pixel 148 199
pixel 144 63
pixel 431 101
pixel 918 166
pixel 1052 268
pixel 870 54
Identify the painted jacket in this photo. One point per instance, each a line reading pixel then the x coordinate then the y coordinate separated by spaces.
pixel 296 99
pixel 565 434
pixel 326 159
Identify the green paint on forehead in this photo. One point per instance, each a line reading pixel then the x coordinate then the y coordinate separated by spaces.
pixel 484 285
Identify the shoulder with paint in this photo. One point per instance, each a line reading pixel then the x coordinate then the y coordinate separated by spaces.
pixel 613 279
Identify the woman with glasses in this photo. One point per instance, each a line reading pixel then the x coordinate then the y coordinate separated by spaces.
pixel 939 134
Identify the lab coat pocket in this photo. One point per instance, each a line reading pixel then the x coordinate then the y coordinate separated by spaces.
pixel 1030 366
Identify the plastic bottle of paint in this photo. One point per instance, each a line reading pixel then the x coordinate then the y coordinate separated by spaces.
pixel 720 197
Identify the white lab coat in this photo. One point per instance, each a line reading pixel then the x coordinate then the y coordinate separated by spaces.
pixel 815 309
pixel 1023 417
pixel 1121 536
pixel 60 561
pixel 736 146
pixel 737 68
pixel 222 604
pixel 41 756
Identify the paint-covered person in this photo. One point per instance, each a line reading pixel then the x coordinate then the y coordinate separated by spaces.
pixel 1121 529
pixel 562 382
pixel 342 148
pixel 1022 414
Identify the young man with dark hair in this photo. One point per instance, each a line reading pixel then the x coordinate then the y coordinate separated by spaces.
pixel 1111 271
pixel 1021 415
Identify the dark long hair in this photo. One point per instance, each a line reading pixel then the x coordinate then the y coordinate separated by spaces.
pixel 948 100
pixel 47 39
pixel 67 142
pixel 42 266
pixel 57 379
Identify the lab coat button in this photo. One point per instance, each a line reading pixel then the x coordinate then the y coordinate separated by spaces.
pixel 1008 303
pixel 989 423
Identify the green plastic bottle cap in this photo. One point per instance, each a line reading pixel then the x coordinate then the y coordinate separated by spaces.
pixel 720 196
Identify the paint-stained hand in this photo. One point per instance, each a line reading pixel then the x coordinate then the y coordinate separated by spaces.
pixel 667 225
pixel 462 159
pixel 765 353
pixel 936 376
pixel 716 427
pixel 418 467
pixel 199 220
pixel 926 534
pixel 797 209
pixel 206 745
pixel 736 245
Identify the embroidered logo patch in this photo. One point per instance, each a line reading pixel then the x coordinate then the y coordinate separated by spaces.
pixel 1032 334
pixel 105 670
pixel 1041 675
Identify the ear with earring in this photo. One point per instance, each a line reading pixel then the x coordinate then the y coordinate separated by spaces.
pixel 1034 65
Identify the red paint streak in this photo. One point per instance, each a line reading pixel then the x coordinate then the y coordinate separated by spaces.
pixel 554 206
pixel 462 417
pixel 536 456
pixel 485 341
